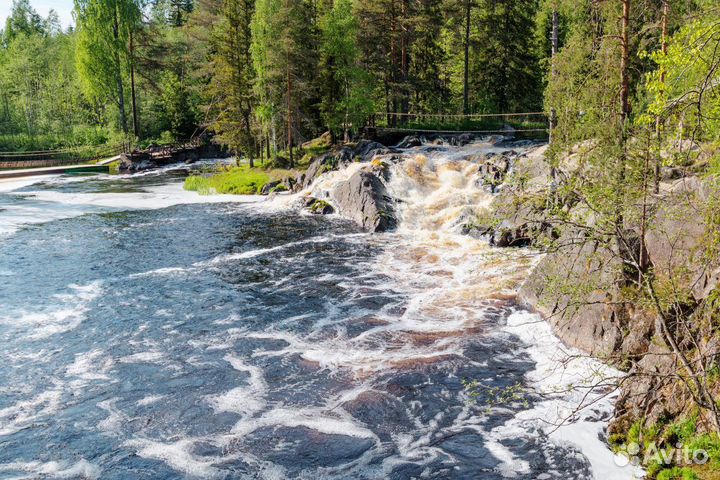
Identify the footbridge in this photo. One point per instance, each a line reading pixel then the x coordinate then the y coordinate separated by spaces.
pixel 395 125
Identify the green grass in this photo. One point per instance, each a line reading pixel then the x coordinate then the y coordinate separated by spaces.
pixel 678 473
pixel 243 180
pixel 78 136
pixel 234 181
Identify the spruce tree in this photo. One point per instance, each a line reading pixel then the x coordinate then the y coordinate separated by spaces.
pixel 345 87
pixel 232 76
pixel 285 57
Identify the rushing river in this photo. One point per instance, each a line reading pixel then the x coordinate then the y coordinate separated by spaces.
pixel 147 332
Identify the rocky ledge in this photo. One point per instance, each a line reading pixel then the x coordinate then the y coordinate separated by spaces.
pixel 580 285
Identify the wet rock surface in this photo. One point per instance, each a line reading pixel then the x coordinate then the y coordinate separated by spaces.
pixel 340 157
pixel 364 199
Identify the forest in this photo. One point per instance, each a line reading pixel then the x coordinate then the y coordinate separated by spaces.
pixel 262 75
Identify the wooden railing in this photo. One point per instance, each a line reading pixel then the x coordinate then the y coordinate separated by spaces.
pixel 454 123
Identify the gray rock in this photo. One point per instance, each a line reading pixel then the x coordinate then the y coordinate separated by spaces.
pixel 366 150
pixel 340 157
pixel 410 142
pixel 462 139
pixel 268 188
pixel 522 184
pixel 318 207
pixel 575 289
pixel 364 199
pixel 675 241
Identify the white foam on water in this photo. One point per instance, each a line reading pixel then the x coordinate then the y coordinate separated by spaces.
pixel 150 399
pixel 577 391
pixel 91 366
pixel 115 419
pixel 319 419
pixel 51 321
pixel 12 184
pixel 179 456
pixel 24 412
pixel 143 357
pixel 55 470
pixel 42 206
pixel 245 400
pixel 162 272
pixel 13 217
pixel 152 198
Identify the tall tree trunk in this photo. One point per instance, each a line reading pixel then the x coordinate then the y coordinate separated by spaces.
pixel 555 46
pixel 466 71
pixel 404 66
pixel 394 75
pixel 624 61
pixel 136 118
pixel 118 74
pixel 658 119
pixel 624 114
pixel 289 118
pixel 267 146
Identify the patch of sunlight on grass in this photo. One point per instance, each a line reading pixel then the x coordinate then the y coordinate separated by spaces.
pixel 241 180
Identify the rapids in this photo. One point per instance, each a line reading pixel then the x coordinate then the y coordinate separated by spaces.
pixel 148 332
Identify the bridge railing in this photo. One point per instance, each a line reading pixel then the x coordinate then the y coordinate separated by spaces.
pixel 477 123
pixel 52 158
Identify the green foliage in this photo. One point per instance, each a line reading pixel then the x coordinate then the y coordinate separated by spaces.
pixel 505 73
pixel 175 104
pixel 103 56
pixel 683 86
pixel 232 75
pixel 347 88
pixel 677 473
pixel 318 206
pixel 493 397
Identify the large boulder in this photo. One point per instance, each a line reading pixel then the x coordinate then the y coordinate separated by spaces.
pixel 364 199
pixel 576 289
pixel 676 240
pixel 517 216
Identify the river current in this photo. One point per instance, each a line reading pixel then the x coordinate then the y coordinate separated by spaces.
pixel 150 333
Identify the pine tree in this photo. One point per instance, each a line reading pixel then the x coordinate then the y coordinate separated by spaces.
pixel 504 68
pixel 384 28
pixel 231 85
pixel 429 82
pixel 23 20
